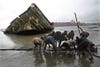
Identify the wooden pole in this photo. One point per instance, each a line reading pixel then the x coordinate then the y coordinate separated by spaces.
pixel 77 23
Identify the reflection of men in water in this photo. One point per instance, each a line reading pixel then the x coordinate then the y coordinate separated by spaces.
pixel 38 58
pixel 51 59
pixel 84 62
pixel 69 60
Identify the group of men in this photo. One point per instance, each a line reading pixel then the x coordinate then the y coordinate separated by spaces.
pixel 83 44
pixel 53 38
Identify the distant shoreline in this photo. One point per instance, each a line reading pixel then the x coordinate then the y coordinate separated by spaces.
pixel 59 24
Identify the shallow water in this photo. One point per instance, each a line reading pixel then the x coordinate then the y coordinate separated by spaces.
pixel 39 58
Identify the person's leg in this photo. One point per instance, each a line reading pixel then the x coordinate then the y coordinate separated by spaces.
pixel 54 44
pixel 40 46
pixel 59 43
pixel 35 46
pixel 54 47
pixel 45 44
pixel 90 53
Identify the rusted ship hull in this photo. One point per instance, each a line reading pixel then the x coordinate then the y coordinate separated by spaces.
pixel 32 21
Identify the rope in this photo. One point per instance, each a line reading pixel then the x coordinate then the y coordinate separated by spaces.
pixel 31 49
pixel 96 55
pixel 27 49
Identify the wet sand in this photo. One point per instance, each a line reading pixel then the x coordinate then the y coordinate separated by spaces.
pixel 37 58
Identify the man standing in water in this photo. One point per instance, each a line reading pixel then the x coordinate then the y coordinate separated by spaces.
pixel 58 37
pixel 50 40
pixel 71 35
pixel 37 42
pixel 84 44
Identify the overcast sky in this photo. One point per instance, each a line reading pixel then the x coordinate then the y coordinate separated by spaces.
pixel 54 10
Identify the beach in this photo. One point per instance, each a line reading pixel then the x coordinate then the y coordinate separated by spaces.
pixel 13 58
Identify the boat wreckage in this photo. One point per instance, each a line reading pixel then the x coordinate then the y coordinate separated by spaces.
pixel 32 21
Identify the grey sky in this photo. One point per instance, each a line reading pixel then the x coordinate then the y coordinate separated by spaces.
pixel 54 10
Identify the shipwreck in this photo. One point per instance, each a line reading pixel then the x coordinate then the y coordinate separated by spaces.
pixel 32 21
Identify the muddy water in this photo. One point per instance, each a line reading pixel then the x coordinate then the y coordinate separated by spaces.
pixel 40 59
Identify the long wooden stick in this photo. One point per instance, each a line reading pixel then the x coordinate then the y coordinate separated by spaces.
pixel 77 23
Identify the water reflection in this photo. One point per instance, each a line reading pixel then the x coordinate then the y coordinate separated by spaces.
pixel 39 60
pixel 84 62
pixel 68 60
pixel 5 42
pixel 49 59
pixel 21 41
